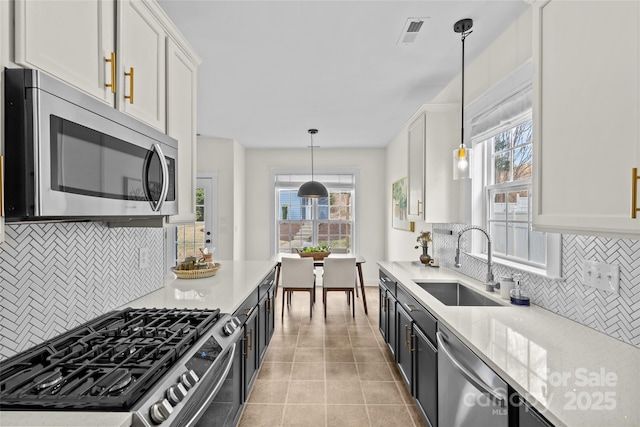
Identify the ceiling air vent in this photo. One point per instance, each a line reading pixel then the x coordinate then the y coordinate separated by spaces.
pixel 410 30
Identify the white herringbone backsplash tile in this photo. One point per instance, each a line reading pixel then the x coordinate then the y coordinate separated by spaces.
pixel 56 276
pixel 614 315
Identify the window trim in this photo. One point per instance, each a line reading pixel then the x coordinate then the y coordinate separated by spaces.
pixel 317 172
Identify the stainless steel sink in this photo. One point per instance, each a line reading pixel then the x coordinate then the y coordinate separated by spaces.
pixel 457 294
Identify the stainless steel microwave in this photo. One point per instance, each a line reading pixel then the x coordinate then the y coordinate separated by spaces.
pixel 68 155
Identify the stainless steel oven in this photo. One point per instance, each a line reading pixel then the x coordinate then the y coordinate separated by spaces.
pixel 167 367
pixel 68 155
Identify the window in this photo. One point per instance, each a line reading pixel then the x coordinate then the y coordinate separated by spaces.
pixel 327 221
pixel 508 159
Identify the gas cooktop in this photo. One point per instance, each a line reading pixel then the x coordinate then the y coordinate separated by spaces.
pixel 107 364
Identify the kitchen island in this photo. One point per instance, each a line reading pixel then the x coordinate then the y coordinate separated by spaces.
pixel 560 367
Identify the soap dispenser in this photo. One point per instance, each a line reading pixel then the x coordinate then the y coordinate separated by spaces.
pixel 517 297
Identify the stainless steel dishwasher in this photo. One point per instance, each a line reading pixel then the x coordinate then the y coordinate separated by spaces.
pixel 469 392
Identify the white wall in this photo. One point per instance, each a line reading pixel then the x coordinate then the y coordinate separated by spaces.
pixel 371 200
pixel 507 53
pixel 239 201
pixel 217 155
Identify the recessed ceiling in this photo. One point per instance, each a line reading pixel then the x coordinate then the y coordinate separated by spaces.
pixel 273 69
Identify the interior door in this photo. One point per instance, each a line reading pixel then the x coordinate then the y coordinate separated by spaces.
pixel 203 233
pixel 205 210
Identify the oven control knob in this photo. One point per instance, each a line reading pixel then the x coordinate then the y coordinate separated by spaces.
pixel 160 411
pixel 230 327
pixel 176 393
pixel 189 379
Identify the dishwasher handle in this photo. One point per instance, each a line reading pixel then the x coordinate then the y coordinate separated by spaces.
pixel 468 375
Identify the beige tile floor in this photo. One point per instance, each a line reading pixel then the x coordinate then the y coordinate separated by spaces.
pixel 329 372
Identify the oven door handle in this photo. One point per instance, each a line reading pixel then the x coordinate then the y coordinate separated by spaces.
pixel 213 394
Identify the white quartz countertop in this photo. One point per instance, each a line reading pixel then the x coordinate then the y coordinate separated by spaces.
pixel 574 375
pixel 231 285
pixel 64 419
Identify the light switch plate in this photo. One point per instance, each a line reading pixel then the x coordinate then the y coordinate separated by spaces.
pixel 601 276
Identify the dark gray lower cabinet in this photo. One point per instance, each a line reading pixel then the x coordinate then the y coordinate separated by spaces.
pixel 426 376
pixel 266 323
pixel 404 351
pixel 383 321
pixel 387 319
pixel 529 417
pixel 250 351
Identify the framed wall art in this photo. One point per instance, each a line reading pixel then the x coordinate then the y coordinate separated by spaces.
pixel 399 206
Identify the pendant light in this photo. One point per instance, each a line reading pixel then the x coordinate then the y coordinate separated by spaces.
pixel 462 155
pixel 312 189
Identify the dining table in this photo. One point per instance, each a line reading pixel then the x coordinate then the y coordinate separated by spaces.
pixel 320 262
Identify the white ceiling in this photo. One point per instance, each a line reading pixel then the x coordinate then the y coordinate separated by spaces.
pixel 273 69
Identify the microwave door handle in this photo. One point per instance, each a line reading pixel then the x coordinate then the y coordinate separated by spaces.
pixel 145 180
pixel 165 177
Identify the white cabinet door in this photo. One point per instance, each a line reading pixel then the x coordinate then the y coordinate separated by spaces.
pixel 586 116
pixel 181 124
pixel 141 64
pixel 415 181
pixel 69 40
pixel 432 194
pixel 442 137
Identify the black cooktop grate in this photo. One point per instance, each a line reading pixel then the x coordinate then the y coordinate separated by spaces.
pixel 107 363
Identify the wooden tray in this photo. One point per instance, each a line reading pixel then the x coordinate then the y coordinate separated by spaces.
pixel 317 256
pixel 198 274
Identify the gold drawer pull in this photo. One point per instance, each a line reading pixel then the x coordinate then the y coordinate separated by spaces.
pixel 634 193
pixel 112 60
pixel 130 96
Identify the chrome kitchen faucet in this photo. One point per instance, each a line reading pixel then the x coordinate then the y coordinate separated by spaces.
pixel 489 284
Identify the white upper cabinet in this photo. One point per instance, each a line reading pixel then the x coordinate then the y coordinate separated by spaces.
pixel 415 181
pixel 141 63
pixel 586 116
pixel 70 40
pixel 181 124
pixel 432 194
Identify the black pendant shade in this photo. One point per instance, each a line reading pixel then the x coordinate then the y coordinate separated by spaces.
pixel 312 189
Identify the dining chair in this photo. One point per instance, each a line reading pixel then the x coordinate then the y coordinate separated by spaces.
pixel 297 275
pixel 339 275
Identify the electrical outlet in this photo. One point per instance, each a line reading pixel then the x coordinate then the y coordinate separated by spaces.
pixel 601 276
pixel 143 258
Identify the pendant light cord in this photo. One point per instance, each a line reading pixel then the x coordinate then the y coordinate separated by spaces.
pixel 311 156
pixel 464 36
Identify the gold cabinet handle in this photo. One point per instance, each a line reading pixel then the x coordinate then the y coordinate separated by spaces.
pixel 112 60
pixel 130 75
pixel 634 193
pixel 250 339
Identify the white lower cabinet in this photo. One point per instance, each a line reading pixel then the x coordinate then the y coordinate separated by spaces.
pixel 70 40
pixel 586 117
